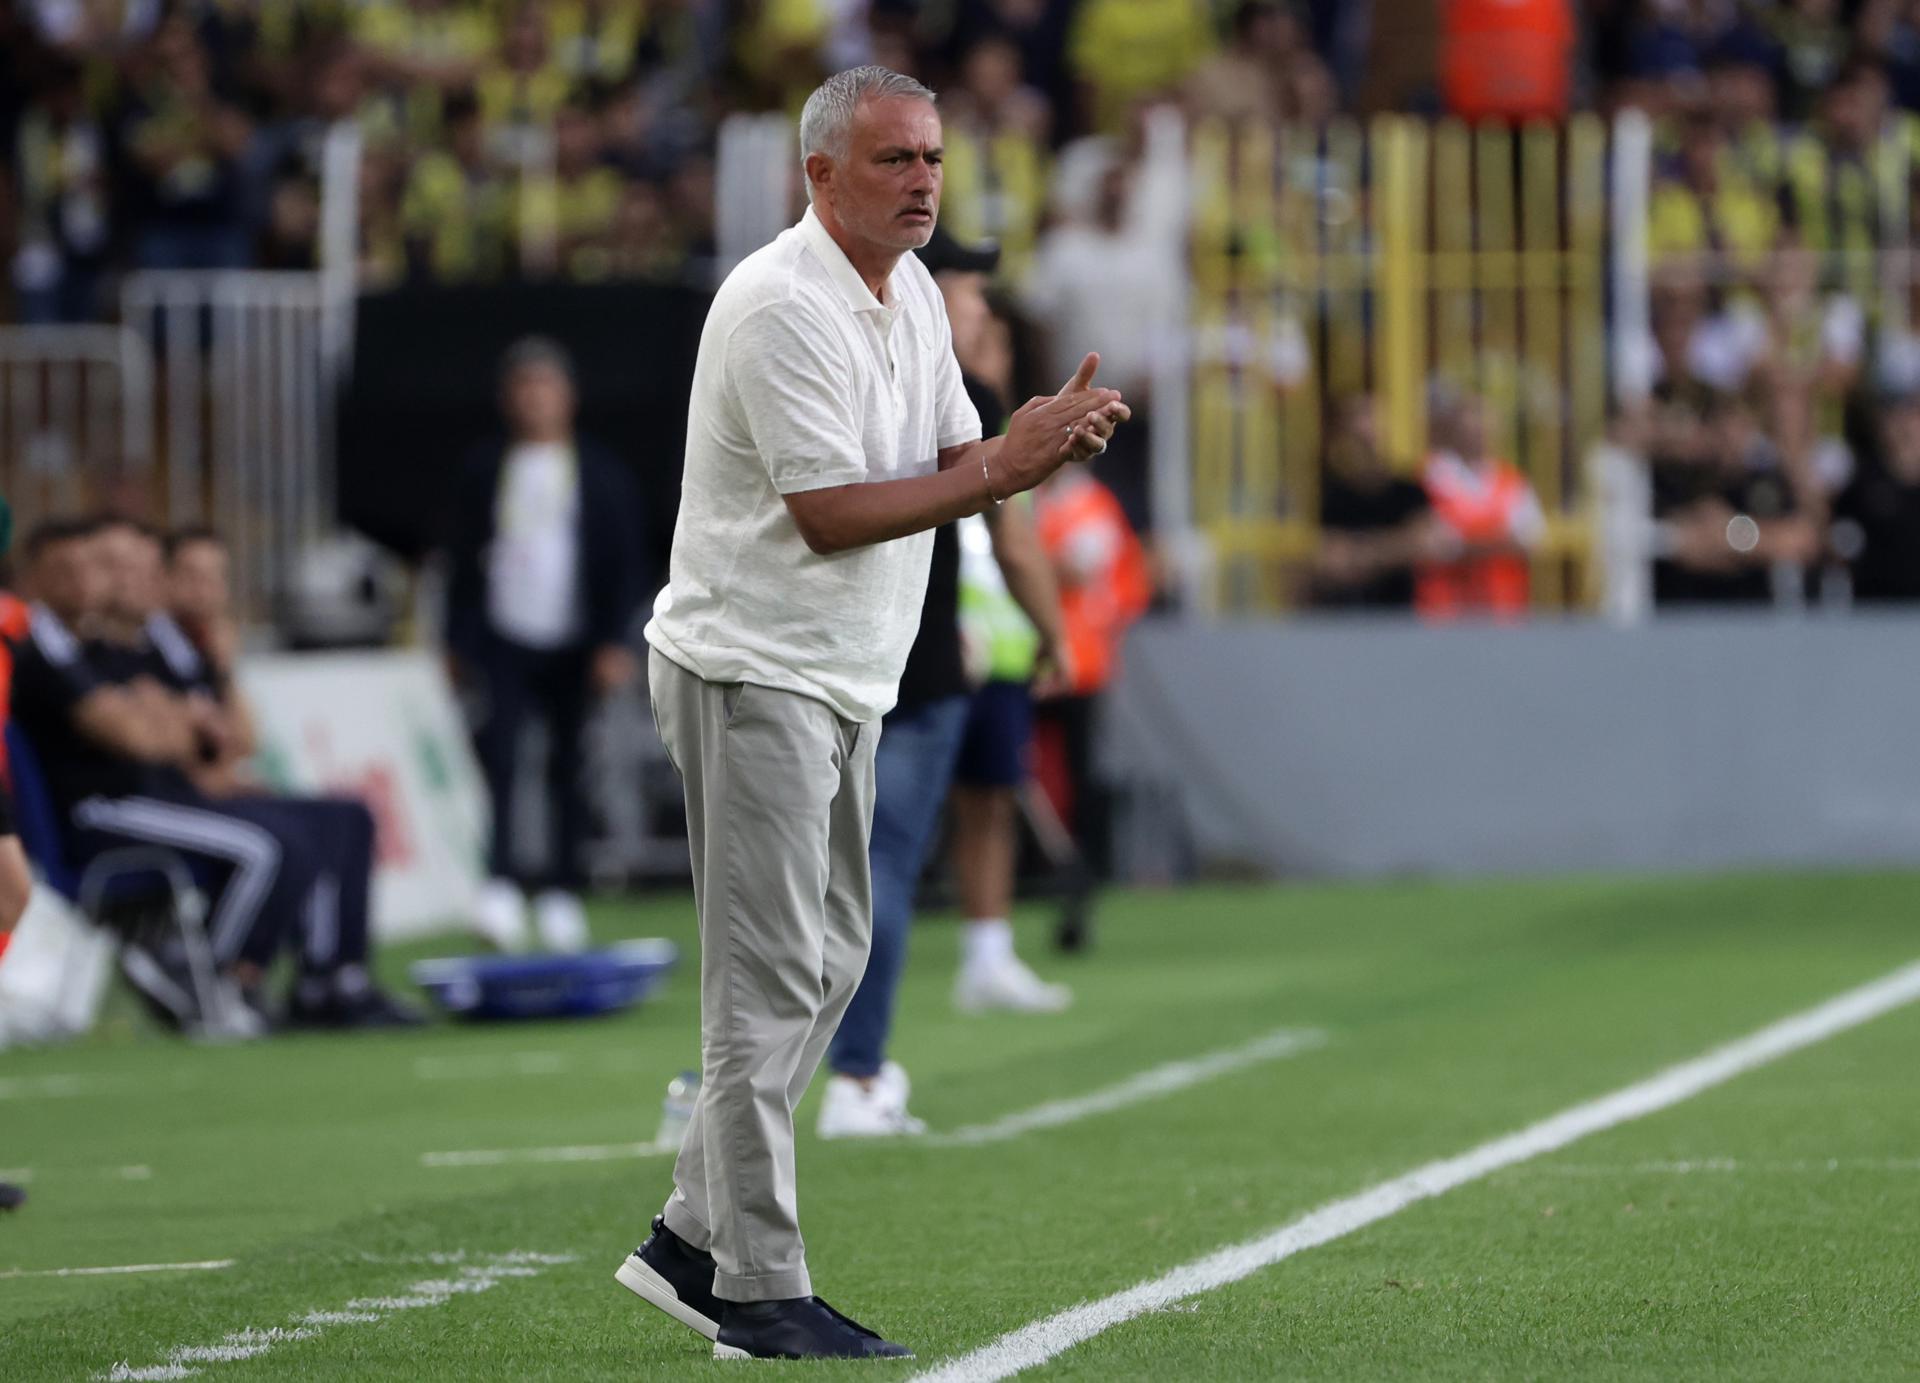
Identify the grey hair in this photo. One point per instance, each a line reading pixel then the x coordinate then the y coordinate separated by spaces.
pixel 826 121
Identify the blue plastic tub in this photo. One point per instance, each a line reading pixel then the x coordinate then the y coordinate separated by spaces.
pixel 491 988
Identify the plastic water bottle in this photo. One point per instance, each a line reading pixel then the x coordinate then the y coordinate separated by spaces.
pixel 676 1111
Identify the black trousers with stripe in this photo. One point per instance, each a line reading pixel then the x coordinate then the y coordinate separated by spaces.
pixel 278 869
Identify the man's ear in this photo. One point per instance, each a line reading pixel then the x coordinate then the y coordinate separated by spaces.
pixel 819 170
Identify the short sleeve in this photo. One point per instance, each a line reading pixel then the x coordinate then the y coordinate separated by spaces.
pixel 793 387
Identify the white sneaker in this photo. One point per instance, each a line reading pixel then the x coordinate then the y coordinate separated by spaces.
pixel 1007 984
pixel 853 1110
pixel 500 916
pixel 561 921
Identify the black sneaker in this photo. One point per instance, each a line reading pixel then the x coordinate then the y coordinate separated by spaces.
pixel 369 1008
pixel 673 1275
pixel 11 1196
pixel 798 1328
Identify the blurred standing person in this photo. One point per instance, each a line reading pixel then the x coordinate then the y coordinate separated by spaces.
pixel 829 433
pixel 1491 517
pixel 1245 82
pixel 16 879
pixel 185 142
pixel 996 130
pixel 1124 51
pixel 1816 346
pixel 1038 29
pixel 1102 280
pixel 546 570
pixel 926 735
pixel 1708 216
pixel 62 194
pixel 1877 518
pixel 1375 526
pixel 457 212
pixel 1105 585
pixel 1016 644
pixel 1733 530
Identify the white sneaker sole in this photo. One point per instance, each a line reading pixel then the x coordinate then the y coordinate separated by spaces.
pixel 655 1290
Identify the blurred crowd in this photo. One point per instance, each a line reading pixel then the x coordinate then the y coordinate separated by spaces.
pixel 575 140
pixel 545 138
pixel 1774 395
pixel 1773 401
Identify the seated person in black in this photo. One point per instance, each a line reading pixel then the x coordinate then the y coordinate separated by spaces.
pixel 1375 525
pixel 112 751
pixel 1728 515
pixel 115 745
pixel 138 642
pixel 1877 517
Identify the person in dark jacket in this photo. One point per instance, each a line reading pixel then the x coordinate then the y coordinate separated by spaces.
pixel 545 575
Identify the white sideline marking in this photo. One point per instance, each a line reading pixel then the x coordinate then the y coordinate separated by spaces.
pixel 583 1152
pixel 66 1086
pixel 1147 1085
pixel 210 1265
pixel 22 1176
pixel 490 1067
pixel 1690 1166
pixel 484 1276
pixel 499 1066
pixel 1043 1339
pixel 48 1087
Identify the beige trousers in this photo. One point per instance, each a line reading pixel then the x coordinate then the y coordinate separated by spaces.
pixel 779 796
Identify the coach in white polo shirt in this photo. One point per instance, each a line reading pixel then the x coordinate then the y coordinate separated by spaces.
pixel 828 434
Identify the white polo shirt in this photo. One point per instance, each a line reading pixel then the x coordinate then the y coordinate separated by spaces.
pixel 805 380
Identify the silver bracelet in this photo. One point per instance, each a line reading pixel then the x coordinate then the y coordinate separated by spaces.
pixel 987 476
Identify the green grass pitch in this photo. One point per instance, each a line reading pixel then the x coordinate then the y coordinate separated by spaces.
pixel 1768 1229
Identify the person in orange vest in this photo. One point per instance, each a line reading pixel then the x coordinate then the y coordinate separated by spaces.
pixel 16 880
pixel 1492 516
pixel 1507 59
pixel 1105 585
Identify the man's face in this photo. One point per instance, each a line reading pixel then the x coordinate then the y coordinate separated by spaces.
pixel 539 401
pixel 70 578
pixel 197 583
pixel 132 564
pixel 886 191
pixel 1363 425
pixel 1470 430
pixel 1356 453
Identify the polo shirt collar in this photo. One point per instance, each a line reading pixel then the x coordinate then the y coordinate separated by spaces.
pixel 846 278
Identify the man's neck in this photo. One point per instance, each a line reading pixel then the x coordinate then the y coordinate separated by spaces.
pixel 873 263
pixel 543 439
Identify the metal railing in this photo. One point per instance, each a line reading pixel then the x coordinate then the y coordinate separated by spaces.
pixel 248 365
pixel 76 414
pixel 1385 257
